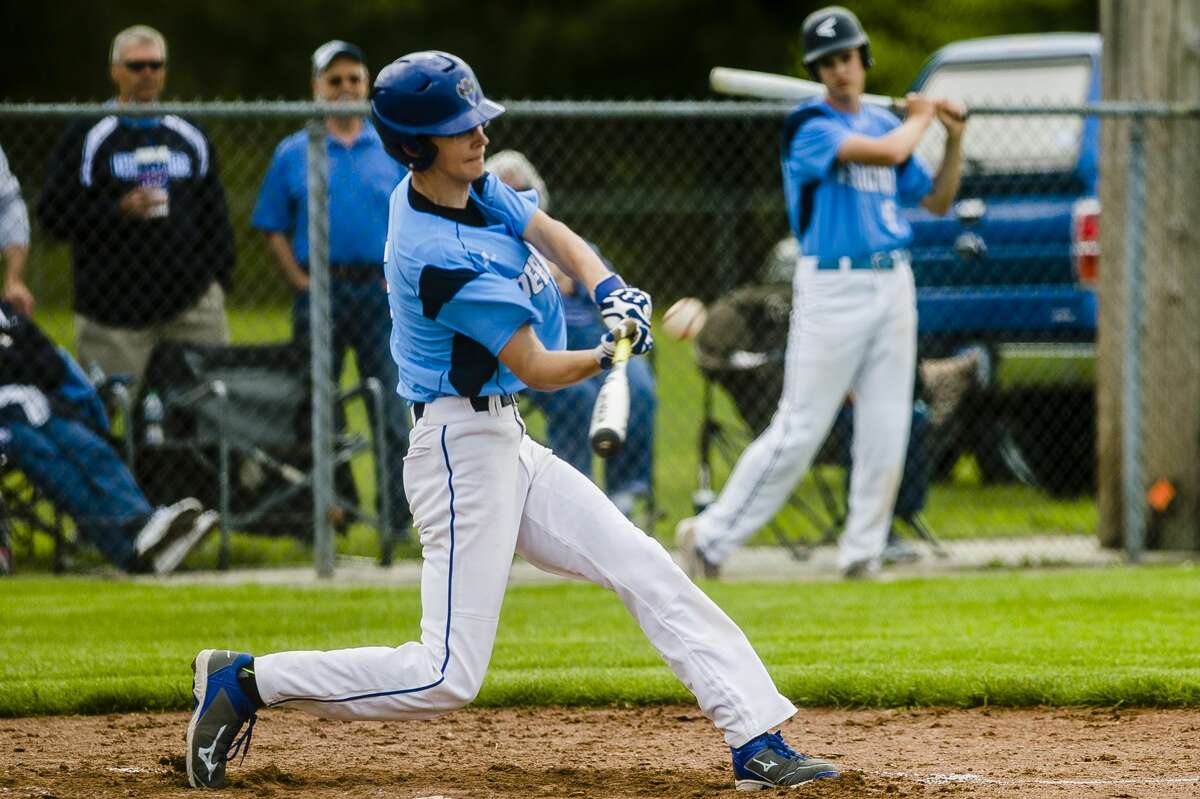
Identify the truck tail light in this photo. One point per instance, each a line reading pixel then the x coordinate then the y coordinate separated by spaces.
pixel 1085 241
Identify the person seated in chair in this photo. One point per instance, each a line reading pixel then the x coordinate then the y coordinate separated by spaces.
pixel 58 441
pixel 569 410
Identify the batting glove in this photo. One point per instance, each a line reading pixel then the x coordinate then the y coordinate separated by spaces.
pixel 639 334
pixel 618 301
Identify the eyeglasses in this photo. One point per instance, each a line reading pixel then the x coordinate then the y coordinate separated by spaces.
pixel 139 66
pixel 336 80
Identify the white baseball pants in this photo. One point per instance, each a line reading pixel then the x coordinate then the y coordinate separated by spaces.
pixel 851 330
pixel 480 490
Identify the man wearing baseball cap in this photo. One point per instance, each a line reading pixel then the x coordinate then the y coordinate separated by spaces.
pixel 361 178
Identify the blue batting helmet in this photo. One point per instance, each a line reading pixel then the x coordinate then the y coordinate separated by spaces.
pixel 425 94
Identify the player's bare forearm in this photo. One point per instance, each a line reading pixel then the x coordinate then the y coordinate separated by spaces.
pixel 285 259
pixel 567 249
pixel 891 149
pixel 542 369
pixel 945 184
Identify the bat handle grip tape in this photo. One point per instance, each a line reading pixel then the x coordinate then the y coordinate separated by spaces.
pixel 623 350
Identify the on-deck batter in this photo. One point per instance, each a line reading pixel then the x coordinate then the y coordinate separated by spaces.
pixel 476 318
pixel 846 167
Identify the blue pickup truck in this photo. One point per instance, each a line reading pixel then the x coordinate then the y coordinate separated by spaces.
pixel 1013 268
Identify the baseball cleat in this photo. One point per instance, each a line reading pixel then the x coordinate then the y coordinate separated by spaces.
pixel 222 707
pixel 692 560
pixel 768 762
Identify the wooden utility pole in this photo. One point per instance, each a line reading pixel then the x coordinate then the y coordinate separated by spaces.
pixel 1152 53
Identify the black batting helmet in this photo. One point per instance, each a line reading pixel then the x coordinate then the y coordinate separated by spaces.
pixel 831 29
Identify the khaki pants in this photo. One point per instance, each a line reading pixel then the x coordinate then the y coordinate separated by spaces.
pixel 124 350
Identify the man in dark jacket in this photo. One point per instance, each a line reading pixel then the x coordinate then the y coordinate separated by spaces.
pixel 140 200
pixel 51 438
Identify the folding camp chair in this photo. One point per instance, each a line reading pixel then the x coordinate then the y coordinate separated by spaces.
pixel 235 432
pixel 24 512
pixel 741 349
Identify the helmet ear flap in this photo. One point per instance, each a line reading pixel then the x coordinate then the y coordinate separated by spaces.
pixel 415 152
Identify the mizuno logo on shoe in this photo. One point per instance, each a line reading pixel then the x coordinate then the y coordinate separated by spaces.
pixel 765 766
pixel 206 752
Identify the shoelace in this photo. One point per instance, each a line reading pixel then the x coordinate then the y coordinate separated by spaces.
pixel 776 744
pixel 244 738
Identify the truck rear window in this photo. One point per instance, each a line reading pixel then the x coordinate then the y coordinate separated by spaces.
pixel 1012 145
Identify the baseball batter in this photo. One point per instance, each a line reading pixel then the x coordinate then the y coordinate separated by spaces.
pixel 847 167
pixel 477 317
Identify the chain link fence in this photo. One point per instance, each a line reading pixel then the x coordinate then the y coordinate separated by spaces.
pixel 684 199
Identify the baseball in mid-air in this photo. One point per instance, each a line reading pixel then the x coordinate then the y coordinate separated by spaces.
pixel 684 319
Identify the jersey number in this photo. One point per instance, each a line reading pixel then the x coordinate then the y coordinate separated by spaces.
pixel 891 220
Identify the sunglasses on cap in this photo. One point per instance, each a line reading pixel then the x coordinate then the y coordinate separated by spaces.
pixel 139 66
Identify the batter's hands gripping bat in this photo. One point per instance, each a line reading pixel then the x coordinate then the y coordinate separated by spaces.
pixel 610 416
pixel 769 86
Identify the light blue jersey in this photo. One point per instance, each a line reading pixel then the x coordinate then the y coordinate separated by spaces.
pixel 837 208
pixel 460 283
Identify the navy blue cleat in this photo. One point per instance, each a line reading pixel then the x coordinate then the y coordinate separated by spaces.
pixel 222 707
pixel 768 762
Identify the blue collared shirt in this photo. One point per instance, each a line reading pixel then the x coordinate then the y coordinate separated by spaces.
pixel 361 178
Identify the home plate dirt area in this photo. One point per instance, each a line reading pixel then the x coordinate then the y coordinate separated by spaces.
pixel 660 751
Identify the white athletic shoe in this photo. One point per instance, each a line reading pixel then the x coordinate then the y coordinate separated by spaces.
pixel 166 525
pixel 169 558
pixel 691 559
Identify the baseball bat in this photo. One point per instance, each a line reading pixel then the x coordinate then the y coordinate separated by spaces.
pixel 769 86
pixel 610 416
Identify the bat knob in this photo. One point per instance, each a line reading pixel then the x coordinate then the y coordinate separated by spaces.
pixel 606 443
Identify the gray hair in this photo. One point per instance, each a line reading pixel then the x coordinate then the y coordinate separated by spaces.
pixel 137 34
pixel 512 167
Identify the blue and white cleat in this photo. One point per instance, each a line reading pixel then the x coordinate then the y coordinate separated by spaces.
pixel 768 762
pixel 222 707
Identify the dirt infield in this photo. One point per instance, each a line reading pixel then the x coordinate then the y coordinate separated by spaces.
pixel 659 751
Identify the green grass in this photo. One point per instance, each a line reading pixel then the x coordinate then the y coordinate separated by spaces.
pixel 1120 636
pixel 960 508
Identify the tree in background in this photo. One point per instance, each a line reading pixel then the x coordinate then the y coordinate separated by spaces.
pixel 523 48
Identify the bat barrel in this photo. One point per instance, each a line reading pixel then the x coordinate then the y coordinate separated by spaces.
pixel 769 86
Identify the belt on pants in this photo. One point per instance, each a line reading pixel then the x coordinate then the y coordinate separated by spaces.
pixel 882 260
pixel 480 404
pixel 356 273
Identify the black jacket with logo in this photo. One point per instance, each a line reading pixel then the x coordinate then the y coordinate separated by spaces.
pixel 131 272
